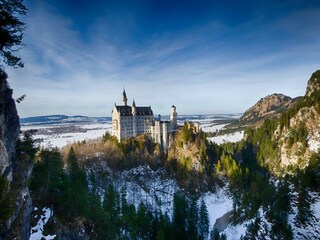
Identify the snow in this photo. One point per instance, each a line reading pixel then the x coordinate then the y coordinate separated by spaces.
pixel 212 127
pixel 234 137
pixel 93 131
pixel 309 230
pixel 218 204
pixel 153 188
pixel 37 231
pixel 156 190
pixel 234 232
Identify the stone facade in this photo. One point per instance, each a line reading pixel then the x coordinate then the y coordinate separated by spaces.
pixel 131 121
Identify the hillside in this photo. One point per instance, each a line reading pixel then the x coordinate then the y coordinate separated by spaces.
pixel 266 108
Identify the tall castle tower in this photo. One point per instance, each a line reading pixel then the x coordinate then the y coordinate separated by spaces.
pixel 124 98
pixel 173 116
pixel 134 118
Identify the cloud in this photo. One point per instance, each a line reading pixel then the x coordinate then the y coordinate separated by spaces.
pixel 210 68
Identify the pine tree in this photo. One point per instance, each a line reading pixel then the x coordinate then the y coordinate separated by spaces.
pixel 111 206
pixel 180 207
pixel 11 28
pixel 77 187
pixel 192 220
pixel 203 220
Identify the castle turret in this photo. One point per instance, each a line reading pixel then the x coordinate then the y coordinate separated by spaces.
pixel 134 119
pixel 124 98
pixel 134 109
pixel 173 117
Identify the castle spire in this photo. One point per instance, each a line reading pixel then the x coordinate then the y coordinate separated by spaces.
pixel 124 97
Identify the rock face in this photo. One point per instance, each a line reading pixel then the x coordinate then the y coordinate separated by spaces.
pixel 14 170
pixel 9 126
pixel 309 117
pixel 222 222
pixel 313 86
pixel 267 107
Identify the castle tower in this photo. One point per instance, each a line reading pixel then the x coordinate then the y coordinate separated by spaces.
pixel 173 117
pixel 124 98
pixel 134 119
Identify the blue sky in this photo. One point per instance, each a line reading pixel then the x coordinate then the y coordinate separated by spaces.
pixel 203 56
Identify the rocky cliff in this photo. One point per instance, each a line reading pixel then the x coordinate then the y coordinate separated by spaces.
pixel 15 170
pixel 313 86
pixel 301 138
pixel 267 107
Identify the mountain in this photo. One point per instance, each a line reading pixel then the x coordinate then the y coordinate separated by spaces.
pixel 268 107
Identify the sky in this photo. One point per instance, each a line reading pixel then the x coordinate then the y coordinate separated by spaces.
pixel 205 57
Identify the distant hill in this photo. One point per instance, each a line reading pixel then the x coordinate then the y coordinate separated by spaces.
pixel 63 119
pixel 267 107
pixel 60 119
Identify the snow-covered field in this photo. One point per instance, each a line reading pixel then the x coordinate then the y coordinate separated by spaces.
pixel 49 133
pixel 234 137
pixel 211 127
pixel 88 131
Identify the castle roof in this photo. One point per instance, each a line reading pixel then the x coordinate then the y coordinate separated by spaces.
pixel 127 110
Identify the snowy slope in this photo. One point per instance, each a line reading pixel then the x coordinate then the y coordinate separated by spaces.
pixel 234 137
pixel 36 232
pixel 156 189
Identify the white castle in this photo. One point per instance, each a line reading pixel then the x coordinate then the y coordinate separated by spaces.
pixel 131 121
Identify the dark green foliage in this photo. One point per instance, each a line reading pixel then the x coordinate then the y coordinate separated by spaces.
pixel 252 230
pixel 304 201
pixel 27 145
pixel 193 220
pixel 265 143
pixel 11 28
pixel 203 220
pixel 76 197
pixel 143 222
pixel 179 216
pixel 279 211
pixel 48 179
pixel 215 235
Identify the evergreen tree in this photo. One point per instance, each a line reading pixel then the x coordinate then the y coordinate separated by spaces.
pixel 77 187
pixel 203 220
pixel 143 222
pixel 111 206
pixel 180 207
pixel 192 220
pixel 11 28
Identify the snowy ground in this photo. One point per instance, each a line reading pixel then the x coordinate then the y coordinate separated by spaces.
pixel 234 137
pixel 97 129
pixel 156 190
pixel 153 188
pixel 37 231
pixel 218 204
pixel 212 127
pixel 89 131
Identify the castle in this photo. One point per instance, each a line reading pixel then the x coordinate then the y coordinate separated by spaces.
pixel 131 121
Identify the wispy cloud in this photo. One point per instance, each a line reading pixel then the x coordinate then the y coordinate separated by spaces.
pixel 203 69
